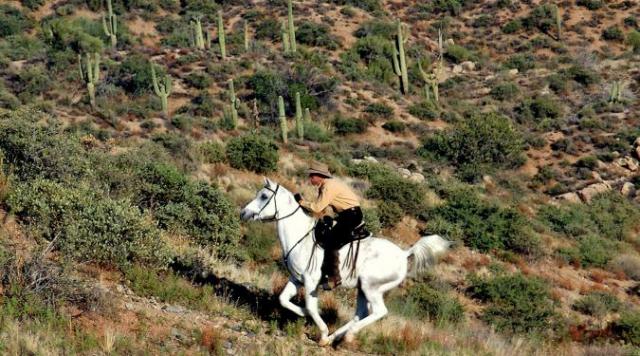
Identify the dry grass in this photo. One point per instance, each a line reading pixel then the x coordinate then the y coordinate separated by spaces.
pixel 627 264
pixel 212 340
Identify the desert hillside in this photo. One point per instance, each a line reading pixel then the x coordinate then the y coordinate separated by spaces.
pixel 133 132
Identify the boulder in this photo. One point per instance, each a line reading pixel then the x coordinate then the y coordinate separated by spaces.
pixel 371 159
pixel 638 152
pixel 512 72
pixel 457 69
pixel 468 66
pixel 589 192
pixel 449 42
pixel 416 177
pixel 405 173
pixel 637 142
pixel 628 189
pixel 628 163
pixel 570 197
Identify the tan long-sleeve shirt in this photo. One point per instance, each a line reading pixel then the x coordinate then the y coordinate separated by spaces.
pixel 333 193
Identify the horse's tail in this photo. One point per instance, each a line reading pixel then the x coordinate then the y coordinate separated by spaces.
pixel 426 252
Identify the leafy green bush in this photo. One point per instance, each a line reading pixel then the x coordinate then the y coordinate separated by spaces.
pixel 591 251
pixel 539 109
pixel 345 126
pixel 627 327
pixel 258 241
pixel 590 4
pixel 516 303
pixel 315 132
pixel 367 5
pixel 390 213
pixel 268 28
pixel 459 54
pixel 633 39
pixel 435 305
pixel 368 59
pixel 33 81
pixel 86 226
pixel 316 35
pixel 522 62
pixel 424 110
pixel 613 33
pixel 486 226
pixel 512 26
pixel 198 80
pixel 394 126
pixel 478 144
pixel 379 110
pixel 253 152
pixel 32 4
pixel 542 17
pixel 134 75
pixel 505 91
pixel 392 188
pixel 212 152
pixel 597 304
pixel 582 75
pixel 12 21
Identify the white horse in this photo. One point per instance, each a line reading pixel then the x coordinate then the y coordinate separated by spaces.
pixel 381 265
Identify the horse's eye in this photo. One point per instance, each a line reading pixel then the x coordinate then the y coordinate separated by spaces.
pixel 263 197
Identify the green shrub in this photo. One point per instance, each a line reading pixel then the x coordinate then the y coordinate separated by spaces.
pixel 257 242
pixel 505 91
pixel 459 54
pixel 379 110
pixel 315 132
pixel 345 126
pixel 367 5
pixel 368 59
pixel 582 75
pixel 198 80
pixel 12 21
pixel 32 4
pixel 394 126
pixel 542 17
pixel 88 227
pixel 377 28
pixel 134 75
pixel 23 46
pixel 268 28
pixel 538 109
pixel 613 33
pixel 512 26
pixel 252 152
pixel 392 188
pixel 486 226
pixel 590 4
pixel 627 327
pixel 212 152
pixel 522 62
pixel 79 34
pixel 390 213
pixel 597 304
pixel 33 81
pixel 424 110
pixel 435 305
pixel 633 39
pixel 316 35
pixel 478 144
pixel 516 303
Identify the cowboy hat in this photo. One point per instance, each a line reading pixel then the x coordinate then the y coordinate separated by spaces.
pixel 320 169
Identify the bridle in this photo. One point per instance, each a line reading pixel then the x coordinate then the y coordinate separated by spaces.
pixel 276 219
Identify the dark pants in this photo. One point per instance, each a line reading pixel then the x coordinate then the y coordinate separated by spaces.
pixel 346 222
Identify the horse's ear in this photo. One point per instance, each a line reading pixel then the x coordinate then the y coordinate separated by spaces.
pixel 267 182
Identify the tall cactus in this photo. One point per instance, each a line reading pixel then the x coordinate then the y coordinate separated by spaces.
pixel 431 83
pixel 291 27
pixel 307 115
pixel 283 119
pixel 615 92
pixel 255 114
pixel 196 29
pixel 247 40
pixel 221 39
pixel 299 119
pixel 286 45
pixel 440 49
pixel 162 89
pixel 234 104
pixel 90 74
pixel 556 14
pixel 110 25
pixel 400 60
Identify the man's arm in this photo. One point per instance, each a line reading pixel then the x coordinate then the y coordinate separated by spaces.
pixel 325 198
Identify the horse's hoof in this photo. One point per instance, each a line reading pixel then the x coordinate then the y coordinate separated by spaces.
pixel 349 338
pixel 325 341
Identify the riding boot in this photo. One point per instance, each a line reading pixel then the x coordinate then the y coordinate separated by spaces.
pixel 333 270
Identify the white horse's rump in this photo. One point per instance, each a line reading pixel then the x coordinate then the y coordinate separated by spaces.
pixel 381 265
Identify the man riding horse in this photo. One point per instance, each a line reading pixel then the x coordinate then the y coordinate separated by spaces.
pixel 348 218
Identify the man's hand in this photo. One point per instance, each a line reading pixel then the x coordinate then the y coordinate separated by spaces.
pixel 297 197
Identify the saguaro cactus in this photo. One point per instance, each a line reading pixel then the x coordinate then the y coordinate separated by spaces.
pixel 307 115
pixel 196 29
pixel 286 45
pixel 291 27
pixel 110 24
pixel 221 40
pixel 400 61
pixel 90 74
pixel 299 119
pixel 431 83
pixel 283 119
pixel 615 92
pixel 247 40
pixel 234 104
pixel 556 14
pixel 162 89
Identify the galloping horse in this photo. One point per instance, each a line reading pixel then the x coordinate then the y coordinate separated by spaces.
pixel 381 265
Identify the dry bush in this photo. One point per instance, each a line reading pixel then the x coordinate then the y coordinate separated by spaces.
pixel 212 339
pixel 628 264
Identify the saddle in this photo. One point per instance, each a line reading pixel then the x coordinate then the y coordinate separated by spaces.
pixel 325 239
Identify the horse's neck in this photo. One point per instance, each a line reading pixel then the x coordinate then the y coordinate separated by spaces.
pixel 292 229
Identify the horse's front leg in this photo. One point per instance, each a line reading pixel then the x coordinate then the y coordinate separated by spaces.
pixel 311 304
pixel 289 291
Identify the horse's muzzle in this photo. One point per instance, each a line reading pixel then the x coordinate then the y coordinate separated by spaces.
pixel 246 215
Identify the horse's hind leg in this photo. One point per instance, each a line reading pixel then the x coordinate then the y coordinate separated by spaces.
pixel 289 291
pixel 378 310
pixel 362 310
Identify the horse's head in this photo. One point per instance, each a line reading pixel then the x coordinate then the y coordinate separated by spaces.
pixel 272 201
